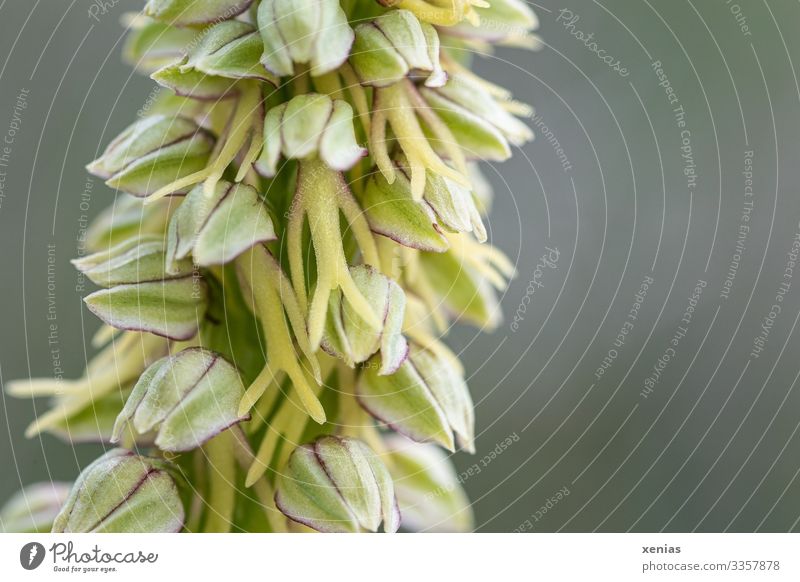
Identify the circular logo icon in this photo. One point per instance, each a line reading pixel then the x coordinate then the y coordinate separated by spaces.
pixel 31 555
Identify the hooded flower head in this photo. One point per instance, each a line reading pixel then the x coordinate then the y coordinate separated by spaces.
pixel 305 32
pixel 122 492
pixel 337 485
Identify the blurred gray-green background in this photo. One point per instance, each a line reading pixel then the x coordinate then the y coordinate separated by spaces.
pixel 684 418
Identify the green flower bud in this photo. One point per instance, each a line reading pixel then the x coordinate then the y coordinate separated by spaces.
pixel 445 206
pixel 303 31
pixel 392 212
pixel 134 260
pixel 218 228
pixel 153 152
pixel 309 125
pixel 394 46
pixel 426 399
pixel 193 12
pixel 186 399
pixel 33 508
pixel 122 492
pixel 337 485
pixel 227 51
pixel 151 44
pixel 428 490
pixel 350 338
pixel 171 308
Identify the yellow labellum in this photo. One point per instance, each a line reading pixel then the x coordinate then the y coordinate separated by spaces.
pixel 321 194
pixel 269 297
pixel 242 124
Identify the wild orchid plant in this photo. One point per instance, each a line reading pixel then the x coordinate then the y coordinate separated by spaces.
pixel 274 292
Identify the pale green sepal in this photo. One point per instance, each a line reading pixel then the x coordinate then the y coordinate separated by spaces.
pixel 305 494
pixel 454 205
pixel 173 308
pixel 392 212
pixel 304 120
pixel 404 402
pixel 346 466
pixel 193 83
pixel 338 146
pixel 230 49
pixel 374 58
pixel 450 391
pixel 127 263
pixel 309 125
pixel 217 228
pixel 152 153
pixel 393 46
pixel 267 162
